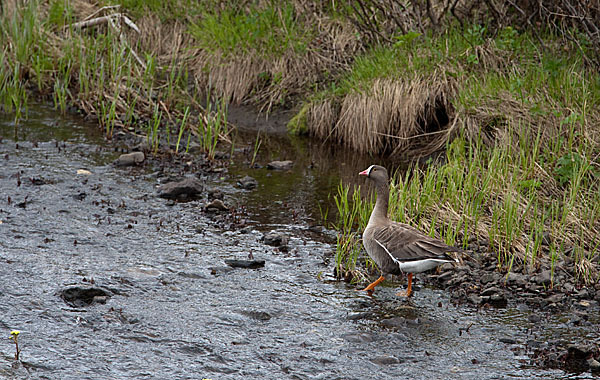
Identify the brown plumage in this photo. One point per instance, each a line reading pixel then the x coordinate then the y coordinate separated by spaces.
pixel 396 247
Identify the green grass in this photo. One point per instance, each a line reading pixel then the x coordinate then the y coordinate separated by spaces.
pixel 95 70
pixel 213 127
pixel 496 195
pixel 525 164
pixel 268 31
pixel 166 11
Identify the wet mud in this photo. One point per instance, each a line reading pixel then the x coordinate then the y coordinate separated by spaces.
pixel 105 279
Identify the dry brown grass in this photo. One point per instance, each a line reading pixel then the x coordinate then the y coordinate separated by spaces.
pixel 396 117
pixel 264 81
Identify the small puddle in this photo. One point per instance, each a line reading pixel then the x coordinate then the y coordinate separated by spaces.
pixel 171 308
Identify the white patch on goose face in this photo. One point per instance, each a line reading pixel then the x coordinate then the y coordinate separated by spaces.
pixel 369 170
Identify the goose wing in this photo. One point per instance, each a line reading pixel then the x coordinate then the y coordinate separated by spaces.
pixel 405 243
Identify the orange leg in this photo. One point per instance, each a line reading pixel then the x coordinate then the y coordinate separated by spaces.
pixel 408 291
pixel 372 286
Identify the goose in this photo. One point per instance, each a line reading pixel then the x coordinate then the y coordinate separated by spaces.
pixel 396 247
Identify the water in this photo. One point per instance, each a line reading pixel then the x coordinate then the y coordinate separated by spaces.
pixel 177 311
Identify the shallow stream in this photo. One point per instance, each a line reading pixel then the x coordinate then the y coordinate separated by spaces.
pixel 177 311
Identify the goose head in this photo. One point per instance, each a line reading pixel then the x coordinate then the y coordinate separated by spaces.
pixel 376 173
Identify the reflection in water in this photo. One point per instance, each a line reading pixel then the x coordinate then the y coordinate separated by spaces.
pixel 306 192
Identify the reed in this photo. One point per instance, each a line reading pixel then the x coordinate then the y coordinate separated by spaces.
pixel 213 127
pixel 501 196
pixel 182 129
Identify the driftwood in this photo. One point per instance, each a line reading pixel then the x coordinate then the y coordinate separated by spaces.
pixel 114 20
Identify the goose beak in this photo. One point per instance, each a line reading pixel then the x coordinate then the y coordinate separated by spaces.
pixel 364 172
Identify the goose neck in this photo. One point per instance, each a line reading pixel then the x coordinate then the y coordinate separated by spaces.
pixel 382 202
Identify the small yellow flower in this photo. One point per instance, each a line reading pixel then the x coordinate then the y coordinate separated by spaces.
pixel 14 334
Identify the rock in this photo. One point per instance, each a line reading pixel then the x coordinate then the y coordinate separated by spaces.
pixel 583 294
pixel 258 315
pixel 576 359
pixel 80 196
pixel 247 183
pixel 81 296
pixel 130 159
pixel 385 360
pixel 216 205
pixel 359 337
pixel 568 287
pixel 491 291
pixel 275 238
pixel 215 194
pixel 474 299
pixel 360 316
pixel 280 165
pixel 457 280
pixel 579 351
pixel 446 276
pixel 516 279
pixel 544 278
pixel 594 365
pixel 487 278
pixel 100 299
pixel 248 264
pixel 216 271
pixel 447 267
pixel 498 300
pixel 186 188
pixel 555 298
pixel 508 340
pixel 394 322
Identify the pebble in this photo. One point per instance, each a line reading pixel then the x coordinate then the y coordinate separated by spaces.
pixel 516 279
pixel 247 264
pixel 498 300
pixel 247 183
pixel 81 296
pixel 594 365
pixel 280 165
pixel 258 315
pixel 579 351
pixel 487 278
pixel 394 322
pixel 215 194
pixel 275 238
pixel 544 278
pixel 186 188
pixel 490 291
pixel 446 276
pixel 216 205
pixel 475 299
pixel 555 298
pixel 385 360
pixel 130 159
